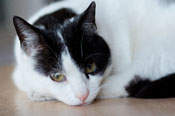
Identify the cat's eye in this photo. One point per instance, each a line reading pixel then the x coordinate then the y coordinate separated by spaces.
pixel 58 77
pixel 91 68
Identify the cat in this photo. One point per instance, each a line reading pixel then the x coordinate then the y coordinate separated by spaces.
pixel 76 51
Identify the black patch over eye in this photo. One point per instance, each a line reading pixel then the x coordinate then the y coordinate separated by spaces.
pixel 48 60
pixel 96 63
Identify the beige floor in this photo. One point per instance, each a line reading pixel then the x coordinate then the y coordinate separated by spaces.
pixel 15 103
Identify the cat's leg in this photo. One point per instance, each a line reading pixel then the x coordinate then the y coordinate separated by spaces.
pixel 19 82
pixel 39 97
pixel 115 86
pixel 162 88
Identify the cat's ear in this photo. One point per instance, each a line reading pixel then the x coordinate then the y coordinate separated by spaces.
pixel 28 36
pixel 87 18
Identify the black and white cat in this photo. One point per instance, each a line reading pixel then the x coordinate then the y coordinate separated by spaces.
pixel 76 54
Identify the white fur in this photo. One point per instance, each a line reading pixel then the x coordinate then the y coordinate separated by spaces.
pixel 141 36
pixel 60 36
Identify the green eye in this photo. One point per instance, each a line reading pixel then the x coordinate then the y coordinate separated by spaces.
pixel 58 77
pixel 91 68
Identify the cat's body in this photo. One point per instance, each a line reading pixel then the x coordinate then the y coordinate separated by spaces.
pixel 141 38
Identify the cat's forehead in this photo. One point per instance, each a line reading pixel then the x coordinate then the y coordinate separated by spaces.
pixel 56 19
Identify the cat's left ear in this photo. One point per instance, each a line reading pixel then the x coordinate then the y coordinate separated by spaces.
pixel 28 36
pixel 87 18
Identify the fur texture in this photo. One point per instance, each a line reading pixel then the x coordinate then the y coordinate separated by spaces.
pixel 139 33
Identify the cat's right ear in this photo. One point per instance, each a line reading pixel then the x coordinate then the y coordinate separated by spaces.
pixel 87 18
pixel 27 34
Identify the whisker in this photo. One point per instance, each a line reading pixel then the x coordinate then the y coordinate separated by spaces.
pixel 82 44
pixel 94 93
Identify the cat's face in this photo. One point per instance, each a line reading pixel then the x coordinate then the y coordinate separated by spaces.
pixel 68 54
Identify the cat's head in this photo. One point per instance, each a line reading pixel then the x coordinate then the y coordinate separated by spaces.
pixel 69 56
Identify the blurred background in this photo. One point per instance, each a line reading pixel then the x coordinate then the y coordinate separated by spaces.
pixel 9 8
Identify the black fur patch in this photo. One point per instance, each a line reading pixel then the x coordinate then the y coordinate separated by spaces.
pixel 136 85
pixel 86 48
pixel 162 88
pixel 54 20
pixel 49 58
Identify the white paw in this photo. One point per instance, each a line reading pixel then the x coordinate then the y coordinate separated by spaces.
pixel 109 92
pixel 38 97
pixel 104 95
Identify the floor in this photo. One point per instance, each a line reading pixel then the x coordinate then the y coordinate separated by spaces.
pixel 15 103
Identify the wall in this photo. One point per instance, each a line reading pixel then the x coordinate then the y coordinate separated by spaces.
pixel 23 8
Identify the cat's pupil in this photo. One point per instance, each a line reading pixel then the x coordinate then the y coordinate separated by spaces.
pixel 57 76
pixel 89 66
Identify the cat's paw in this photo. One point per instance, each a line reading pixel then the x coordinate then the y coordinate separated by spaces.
pixel 38 97
pixel 109 92
pixel 104 94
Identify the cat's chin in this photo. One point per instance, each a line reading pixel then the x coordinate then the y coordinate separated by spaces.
pixel 75 104
pixel 81 103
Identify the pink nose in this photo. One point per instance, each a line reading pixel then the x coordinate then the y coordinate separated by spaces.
pixel 83 97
